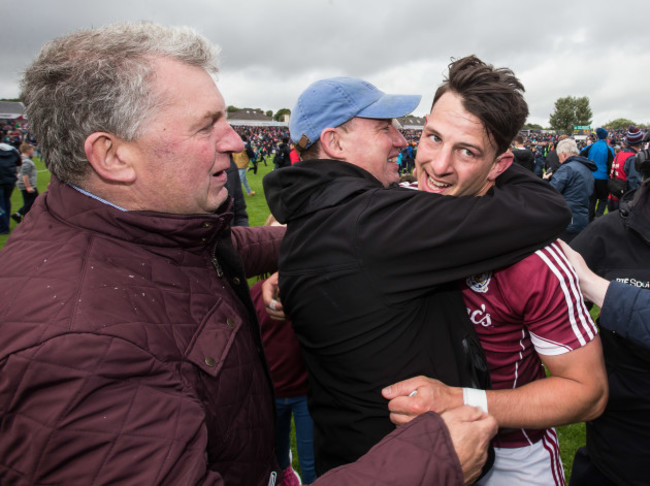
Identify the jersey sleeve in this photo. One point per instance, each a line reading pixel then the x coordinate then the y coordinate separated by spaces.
pixel 545 291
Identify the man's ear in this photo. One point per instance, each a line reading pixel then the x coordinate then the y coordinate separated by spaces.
pixel 500 165
pixel 109 156
pixel 330 142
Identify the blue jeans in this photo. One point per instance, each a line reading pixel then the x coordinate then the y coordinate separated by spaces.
pixel 304 435
pixel 5 206
pixel 244 181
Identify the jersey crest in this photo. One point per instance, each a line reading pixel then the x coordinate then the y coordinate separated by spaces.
pixel 479 282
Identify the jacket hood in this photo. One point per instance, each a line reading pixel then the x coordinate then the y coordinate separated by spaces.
pixel 5 146
pixel 590 164
pixel 7 150
pixel 634 209
pixel 296 191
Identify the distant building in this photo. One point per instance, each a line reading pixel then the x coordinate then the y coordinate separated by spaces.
pixel 410 122
pixel 252 118
pixel 10 110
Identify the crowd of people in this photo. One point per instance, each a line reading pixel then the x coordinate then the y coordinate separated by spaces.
pixel 401 328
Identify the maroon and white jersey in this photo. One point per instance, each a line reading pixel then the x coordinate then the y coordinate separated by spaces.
pixel 532 307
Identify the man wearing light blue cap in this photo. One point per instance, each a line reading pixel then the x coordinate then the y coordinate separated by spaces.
pixel 354 107
pixel 363 263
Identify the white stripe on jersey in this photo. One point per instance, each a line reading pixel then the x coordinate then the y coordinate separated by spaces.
pixel 521 357
pixel 548 347
pixel 552 445
pixel 583 312
pixel 566 277
pixel 535 465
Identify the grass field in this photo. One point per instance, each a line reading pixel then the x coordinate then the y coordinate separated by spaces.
pixel 571 436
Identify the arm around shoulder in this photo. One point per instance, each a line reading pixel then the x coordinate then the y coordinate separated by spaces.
pixel 448 449
pixel 420 452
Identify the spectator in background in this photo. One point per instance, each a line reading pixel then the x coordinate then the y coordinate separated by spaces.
pixel 523 156
pixel 242 161
pixel 233 184
pixel 281 158
pixel 9 163
pixel 552 160
pixel 575 181
pixel 603 155
pixel 26 183
pixel 294 156
pixel 250 151
pixel 540 161
pixel 623 176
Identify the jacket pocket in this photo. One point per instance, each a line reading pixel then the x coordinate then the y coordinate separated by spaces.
pixel 213 340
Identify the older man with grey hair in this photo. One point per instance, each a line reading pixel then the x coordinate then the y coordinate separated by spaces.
pixel 130 349
pixel 575 181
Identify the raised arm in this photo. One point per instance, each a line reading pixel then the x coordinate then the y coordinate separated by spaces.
pixel 439 239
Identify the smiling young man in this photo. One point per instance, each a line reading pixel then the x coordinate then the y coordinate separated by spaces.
pixel 527 314
pixel 362 263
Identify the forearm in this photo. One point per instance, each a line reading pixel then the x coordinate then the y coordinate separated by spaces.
pixel 575 391
pixel 25 179
pixel 545 403
pixel 594 288
pixel 417 453
pixel 540 404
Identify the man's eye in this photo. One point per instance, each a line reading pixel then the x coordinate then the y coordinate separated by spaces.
pixel 468 153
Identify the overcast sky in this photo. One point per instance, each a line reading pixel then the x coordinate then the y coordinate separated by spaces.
pixel 272 49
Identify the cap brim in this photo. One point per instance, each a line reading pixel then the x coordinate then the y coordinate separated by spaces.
pixel 391 106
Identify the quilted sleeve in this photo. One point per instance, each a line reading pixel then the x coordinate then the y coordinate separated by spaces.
pixel 258 247
pixel 94 409
pixel 420 452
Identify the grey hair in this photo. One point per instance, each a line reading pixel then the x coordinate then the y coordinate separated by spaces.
pixel 567 146
pixel 100 80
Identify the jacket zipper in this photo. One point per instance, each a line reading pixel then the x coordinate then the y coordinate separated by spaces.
pixel 215 262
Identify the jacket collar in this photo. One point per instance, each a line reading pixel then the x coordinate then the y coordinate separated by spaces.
pixel 192 232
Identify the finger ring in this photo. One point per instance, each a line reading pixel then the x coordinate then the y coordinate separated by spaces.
pixel 273 304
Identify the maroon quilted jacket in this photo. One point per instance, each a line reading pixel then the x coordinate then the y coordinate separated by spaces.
pixel 129 353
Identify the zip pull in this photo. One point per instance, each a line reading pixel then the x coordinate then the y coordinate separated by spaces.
pixel 217 266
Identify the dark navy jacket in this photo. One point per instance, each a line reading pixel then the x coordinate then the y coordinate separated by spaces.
pixel 9 163
pixel 575 181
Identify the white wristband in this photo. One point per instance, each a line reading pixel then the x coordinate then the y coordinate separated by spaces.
pixel 475 398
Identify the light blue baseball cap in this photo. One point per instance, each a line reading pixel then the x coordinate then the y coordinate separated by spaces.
pixel 331 102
